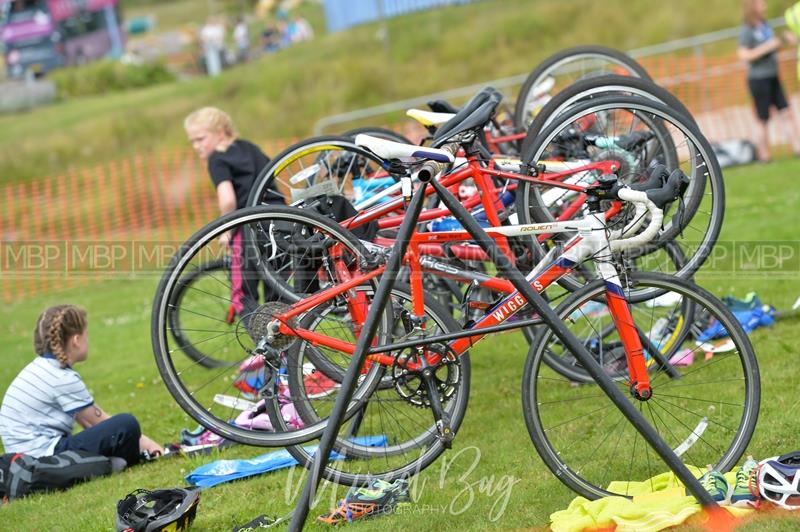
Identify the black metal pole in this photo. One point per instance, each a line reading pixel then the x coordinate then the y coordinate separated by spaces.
pixel 353 370
pixel 550 319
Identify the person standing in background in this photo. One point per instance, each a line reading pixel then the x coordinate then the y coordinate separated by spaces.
pixel 758 46
pixel 241 37
pixel 212 36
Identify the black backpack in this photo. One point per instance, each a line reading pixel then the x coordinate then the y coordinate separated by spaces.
pixel 338 208
pixel 21 474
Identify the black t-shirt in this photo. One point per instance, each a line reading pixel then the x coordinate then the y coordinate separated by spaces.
pixel 240 164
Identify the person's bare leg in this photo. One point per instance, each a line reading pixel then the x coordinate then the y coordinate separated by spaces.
pixel 762 141
pixel 790 128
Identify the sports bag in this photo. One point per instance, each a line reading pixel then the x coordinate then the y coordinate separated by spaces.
pixel 21 474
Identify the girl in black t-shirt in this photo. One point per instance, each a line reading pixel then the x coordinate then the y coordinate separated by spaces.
pixel 233 165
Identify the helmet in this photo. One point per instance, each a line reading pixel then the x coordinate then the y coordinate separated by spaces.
pixel 158 510
pixel 778 479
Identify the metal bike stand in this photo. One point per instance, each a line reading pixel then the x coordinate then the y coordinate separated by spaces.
pixel 350 379
pixel 548 316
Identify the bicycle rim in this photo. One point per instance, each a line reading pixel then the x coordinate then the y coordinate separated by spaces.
pixel 213 396
pixel 707 416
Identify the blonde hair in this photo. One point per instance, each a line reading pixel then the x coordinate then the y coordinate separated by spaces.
pixel 54 327
pixel 751 15
pixel 212 119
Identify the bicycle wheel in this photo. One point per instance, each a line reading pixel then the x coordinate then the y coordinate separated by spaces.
pixel 323 165
pixel 564 68
pixel 693 223
pixel 209 278
pixel 603 85
pixel 394 435
pixel 706 414
pixel 214 396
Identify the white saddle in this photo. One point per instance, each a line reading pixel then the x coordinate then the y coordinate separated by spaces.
pixel 386 149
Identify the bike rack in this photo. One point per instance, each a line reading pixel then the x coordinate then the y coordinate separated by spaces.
pixel 548 316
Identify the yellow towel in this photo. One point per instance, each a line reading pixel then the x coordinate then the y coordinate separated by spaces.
pixel 658 503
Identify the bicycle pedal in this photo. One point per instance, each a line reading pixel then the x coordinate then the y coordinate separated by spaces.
pixel 446 434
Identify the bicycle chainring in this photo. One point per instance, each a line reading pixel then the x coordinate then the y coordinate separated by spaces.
pixel 407 374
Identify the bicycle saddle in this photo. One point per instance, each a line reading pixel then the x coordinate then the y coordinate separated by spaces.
pixel 386 149
pixel 429 118
pixel 442 106
pixel 475 114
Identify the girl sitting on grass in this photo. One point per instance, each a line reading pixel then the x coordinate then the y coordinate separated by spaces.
pixel 48 396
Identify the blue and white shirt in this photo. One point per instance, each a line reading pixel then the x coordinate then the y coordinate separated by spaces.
pixel 39 407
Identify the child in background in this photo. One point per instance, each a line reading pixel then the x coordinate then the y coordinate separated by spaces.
pixel 233 164
pixel 48 396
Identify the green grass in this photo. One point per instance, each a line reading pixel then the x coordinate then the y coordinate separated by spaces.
pixel 283 94
pixel 169 16
pixel 121 374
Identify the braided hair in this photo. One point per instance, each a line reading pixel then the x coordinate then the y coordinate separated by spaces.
pixel 54 327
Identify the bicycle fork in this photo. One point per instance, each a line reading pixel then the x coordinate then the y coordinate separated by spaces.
pixel 628 333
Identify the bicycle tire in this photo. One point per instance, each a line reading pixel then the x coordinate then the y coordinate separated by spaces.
pixel 710 424
pixel 195 387
pixel 317 157
pixel 596 87
pixel 522 113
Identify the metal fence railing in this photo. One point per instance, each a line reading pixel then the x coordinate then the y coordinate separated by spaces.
pixel 703 71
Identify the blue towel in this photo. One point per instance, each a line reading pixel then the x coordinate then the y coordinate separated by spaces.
pixel 221 471
pixel 750 319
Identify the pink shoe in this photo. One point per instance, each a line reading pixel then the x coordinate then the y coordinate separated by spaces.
pixel 252 363
pixel 682 358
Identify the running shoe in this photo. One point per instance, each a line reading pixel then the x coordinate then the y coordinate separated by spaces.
pixel 377 498
pixel 745 492
pixel 715 484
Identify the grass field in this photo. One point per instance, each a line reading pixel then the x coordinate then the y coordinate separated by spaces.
pixel 492 479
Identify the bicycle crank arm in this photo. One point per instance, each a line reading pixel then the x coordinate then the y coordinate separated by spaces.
pixel 441 417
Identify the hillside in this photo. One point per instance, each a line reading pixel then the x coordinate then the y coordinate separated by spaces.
pixel 283 94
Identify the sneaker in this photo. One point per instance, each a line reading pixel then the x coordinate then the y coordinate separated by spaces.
pixel 715 484
pixel 377 498
pixel 317 385
pixel 750 302
pixel 745 492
